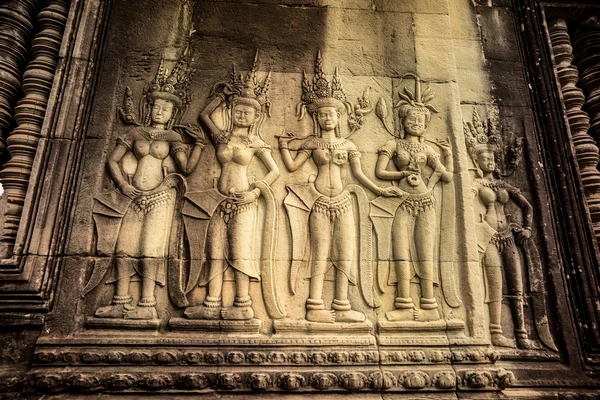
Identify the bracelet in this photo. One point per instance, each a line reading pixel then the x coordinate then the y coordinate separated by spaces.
pixel 255 194
pixel 283 146
pixel 379 191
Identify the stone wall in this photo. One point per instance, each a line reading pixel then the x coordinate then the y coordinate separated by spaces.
pixel 370 201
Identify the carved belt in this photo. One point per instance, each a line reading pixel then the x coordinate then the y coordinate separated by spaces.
pixel 228 209
pixel 333 207
pixel 503 239
pixel 148 202
pixel 415 204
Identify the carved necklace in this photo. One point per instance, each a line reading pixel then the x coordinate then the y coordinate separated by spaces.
pixel 491 184
pixel 412 147
pixel 155 133
pixel 322 144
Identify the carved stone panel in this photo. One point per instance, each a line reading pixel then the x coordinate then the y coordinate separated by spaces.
pixel 305 198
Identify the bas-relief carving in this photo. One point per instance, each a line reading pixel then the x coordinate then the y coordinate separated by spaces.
pixel 409 223
pixel 331 225
pixel 136 223
pixel 221 222
pixel 498 239
pixel 322 211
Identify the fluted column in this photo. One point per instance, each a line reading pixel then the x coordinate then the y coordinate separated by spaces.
pixel 16 28
pixel 29 115
pixel 586 149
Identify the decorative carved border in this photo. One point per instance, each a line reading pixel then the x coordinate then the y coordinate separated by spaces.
pixel 576 241
pixel 259 381
pixel 29 278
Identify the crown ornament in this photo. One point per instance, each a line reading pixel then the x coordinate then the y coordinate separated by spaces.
pixel 173 85
pixel 247 89
pixel 168 85
pixel 321 93
pixel 480 136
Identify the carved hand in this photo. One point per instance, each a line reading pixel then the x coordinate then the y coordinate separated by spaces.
pixel 523 235
pixel 244 197
pixel 391 191
pixel 445 145
pixel 130 191
pixel 285 139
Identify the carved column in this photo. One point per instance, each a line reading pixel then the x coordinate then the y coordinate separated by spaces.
pixel 16 28
pixel 586 149
pixel 586 48
pixel 29 115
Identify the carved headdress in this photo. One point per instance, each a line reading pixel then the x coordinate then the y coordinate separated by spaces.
pixel 321 93
pixel 171 85
pixel 248 90
pixel 417 101
pixel 479 136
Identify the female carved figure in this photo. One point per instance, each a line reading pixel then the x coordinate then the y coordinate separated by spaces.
pixel 143 166
pixel 328 202
pixel 230 230
pixel 414 228
pixel 496 238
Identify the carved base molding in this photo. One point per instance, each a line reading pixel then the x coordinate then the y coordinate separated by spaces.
pixel 115 361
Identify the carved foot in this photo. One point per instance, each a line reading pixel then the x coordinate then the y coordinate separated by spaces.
pixel 427 315
pixel 237 313
pixel 524 343
pixel 111 311
pixel 349 316
pixel 500 340
pixel 132 312
pixel 320 316
pixel 203 312
pixel 402 314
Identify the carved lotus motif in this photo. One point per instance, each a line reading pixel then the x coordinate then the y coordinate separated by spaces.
pixel 416 380
pixel 255 357
pixel 115 357
pixel 478 380
pixel 318 357
pixel 193 381
pixel 416 356
pixel 68 358
pixel 235 357
pixel 84 382
pixel 165 357
pixel 504 378
pixel 260 381
pixel 339 357
pixel 353 381
pixel 193 357
pixel 476 355
pixel 155 382
pixel 277 357
pixel 229 381
pixel 139 358
pixel 323 381
pixel 383 380
pixel 119 381
pixel 445 380
pixel 291 381
pixel 437 356
pixel 358 357
pixel 458 356
pixel 298 358
pixel 91 358
pixel 213 357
